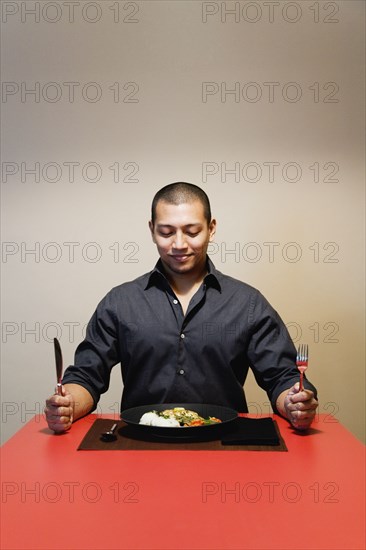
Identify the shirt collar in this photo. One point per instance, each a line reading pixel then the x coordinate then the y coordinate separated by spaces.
pixel 157 275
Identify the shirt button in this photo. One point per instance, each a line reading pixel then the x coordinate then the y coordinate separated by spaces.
pixel 175 301
pixel 182 336
pixel 181 371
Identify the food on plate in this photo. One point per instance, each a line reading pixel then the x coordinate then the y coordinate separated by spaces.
pixel 177 417
pixel 153 419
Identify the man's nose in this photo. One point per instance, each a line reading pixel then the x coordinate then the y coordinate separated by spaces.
pixel 179 240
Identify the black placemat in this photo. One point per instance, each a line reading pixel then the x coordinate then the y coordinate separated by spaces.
pixel 131 440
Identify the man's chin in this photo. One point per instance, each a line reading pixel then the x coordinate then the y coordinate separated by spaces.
pixel 180 267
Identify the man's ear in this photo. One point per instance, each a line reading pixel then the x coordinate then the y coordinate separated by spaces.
pixel 151 227
pixel 212 229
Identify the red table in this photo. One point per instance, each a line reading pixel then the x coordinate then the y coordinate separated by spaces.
pixel 311 497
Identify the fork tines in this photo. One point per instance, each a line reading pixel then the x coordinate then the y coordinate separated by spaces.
pixel 302 354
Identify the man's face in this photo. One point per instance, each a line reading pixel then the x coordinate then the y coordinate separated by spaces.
pixel 181 234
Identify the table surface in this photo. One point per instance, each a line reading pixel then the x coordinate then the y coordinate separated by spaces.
pixel 55 497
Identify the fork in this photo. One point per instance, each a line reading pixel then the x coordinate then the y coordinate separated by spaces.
pixel 302 359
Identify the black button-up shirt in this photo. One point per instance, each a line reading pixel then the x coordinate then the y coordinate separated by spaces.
pixel 200 357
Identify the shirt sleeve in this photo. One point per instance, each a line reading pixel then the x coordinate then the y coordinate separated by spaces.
pixel 97 354
pixel 271 352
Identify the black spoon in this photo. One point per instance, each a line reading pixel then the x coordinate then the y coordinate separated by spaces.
pixel 110 435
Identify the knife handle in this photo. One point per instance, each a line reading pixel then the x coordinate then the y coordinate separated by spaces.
pixel 59 389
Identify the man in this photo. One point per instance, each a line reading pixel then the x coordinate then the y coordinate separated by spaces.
pixel 183 332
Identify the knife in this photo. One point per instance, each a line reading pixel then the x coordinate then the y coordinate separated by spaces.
pixel 59 367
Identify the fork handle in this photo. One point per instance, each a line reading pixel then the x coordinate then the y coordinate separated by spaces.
pixel 301 381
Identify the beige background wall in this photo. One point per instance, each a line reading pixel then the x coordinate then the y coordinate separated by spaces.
pixel 260 103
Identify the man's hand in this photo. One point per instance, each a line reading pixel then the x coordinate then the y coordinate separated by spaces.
pixel 62 410
pixel 298 406
pixel 59 411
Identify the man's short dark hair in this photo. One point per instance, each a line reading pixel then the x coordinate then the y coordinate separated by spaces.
pixel 181 192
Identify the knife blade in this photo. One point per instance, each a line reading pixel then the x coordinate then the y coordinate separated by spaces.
pixel 59 365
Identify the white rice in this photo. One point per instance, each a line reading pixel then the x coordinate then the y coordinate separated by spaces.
pixel 152 419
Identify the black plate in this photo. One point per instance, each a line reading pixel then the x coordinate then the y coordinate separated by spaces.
pixel 210 431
